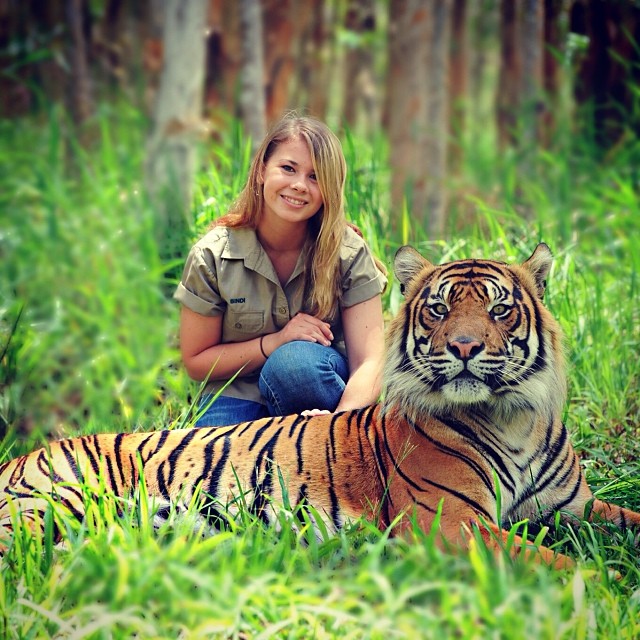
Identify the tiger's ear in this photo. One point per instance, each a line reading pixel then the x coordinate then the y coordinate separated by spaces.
pixel 539 265
pixel 407 264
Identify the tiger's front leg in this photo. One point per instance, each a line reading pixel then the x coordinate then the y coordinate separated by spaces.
pixel 498 540
pixel 585 506
pixel 458 528
pixel 619 516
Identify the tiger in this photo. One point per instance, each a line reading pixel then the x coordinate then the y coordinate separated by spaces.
pixel 468 424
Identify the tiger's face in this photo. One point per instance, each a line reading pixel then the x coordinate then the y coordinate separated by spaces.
pixel 473 333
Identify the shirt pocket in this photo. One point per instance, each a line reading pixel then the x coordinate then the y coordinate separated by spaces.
pixel 241 324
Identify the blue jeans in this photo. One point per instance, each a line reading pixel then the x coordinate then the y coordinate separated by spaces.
pixel 298 375
pixel 227 410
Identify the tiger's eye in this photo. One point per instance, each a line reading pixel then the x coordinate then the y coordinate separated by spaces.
pixel 440 309
pixel 500 310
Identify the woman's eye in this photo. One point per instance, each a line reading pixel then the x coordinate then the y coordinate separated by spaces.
pixel 440 309
pixel 287 167
pixel 313 177
pixel 499 310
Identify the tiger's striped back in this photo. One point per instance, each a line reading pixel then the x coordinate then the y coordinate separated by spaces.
pixel 240 464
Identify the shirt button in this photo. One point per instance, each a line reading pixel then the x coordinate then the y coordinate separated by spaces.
pixel 282 310
pixel 238 325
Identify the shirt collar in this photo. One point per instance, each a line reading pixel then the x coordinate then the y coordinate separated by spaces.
pixel 243 244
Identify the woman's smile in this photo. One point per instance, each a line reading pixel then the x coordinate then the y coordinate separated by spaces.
pixel 296 202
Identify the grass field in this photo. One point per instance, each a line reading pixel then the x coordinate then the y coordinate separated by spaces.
pixel 88 344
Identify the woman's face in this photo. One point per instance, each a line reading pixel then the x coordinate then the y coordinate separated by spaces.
pixel 291 191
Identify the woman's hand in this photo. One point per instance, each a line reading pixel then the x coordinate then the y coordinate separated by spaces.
pixel 315 412
pixel 301 327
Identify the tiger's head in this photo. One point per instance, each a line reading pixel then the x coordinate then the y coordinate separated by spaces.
pixel 474 334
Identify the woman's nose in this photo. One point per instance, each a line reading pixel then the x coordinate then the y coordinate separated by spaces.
pixel 299 183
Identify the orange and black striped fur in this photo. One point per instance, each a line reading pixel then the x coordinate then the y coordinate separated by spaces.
pixel 473 393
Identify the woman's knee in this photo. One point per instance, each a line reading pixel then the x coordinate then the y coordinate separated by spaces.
pixel 299 362
pixel 303 375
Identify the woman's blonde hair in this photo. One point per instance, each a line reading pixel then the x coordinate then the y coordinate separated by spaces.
pixel 326 227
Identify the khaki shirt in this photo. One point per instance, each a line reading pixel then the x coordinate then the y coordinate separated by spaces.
pixel 228 273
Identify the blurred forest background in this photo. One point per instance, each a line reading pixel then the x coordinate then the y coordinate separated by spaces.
pixel 427 73
pixel 126 127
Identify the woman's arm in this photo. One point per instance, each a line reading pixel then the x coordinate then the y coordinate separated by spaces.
pixel 204 356
pixel 363 327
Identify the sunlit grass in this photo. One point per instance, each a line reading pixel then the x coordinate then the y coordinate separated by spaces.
pixel 117 577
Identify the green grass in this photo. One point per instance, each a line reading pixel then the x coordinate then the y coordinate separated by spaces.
pixel 89 344
pixel 118 578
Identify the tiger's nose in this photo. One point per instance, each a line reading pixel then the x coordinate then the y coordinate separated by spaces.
pixel 465 348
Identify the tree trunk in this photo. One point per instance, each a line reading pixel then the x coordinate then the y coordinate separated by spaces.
pixel 171 148
pixel 360 99
pixel 405 109
pixel 252 99
pixel 279 54
pixel 320 53
pixel 554 37
pixel 483 24
pixel 531 37
pixel 437 138
pixel 224 58
pixel 79 97
pixel 509 83
pixel 108 47
pixel 417 110
pixel 459 84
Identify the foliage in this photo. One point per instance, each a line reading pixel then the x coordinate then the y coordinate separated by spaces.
pixel 123 579
pixel 85 323
pixel 87 341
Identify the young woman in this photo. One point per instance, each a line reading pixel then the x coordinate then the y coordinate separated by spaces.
pixel 281 307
